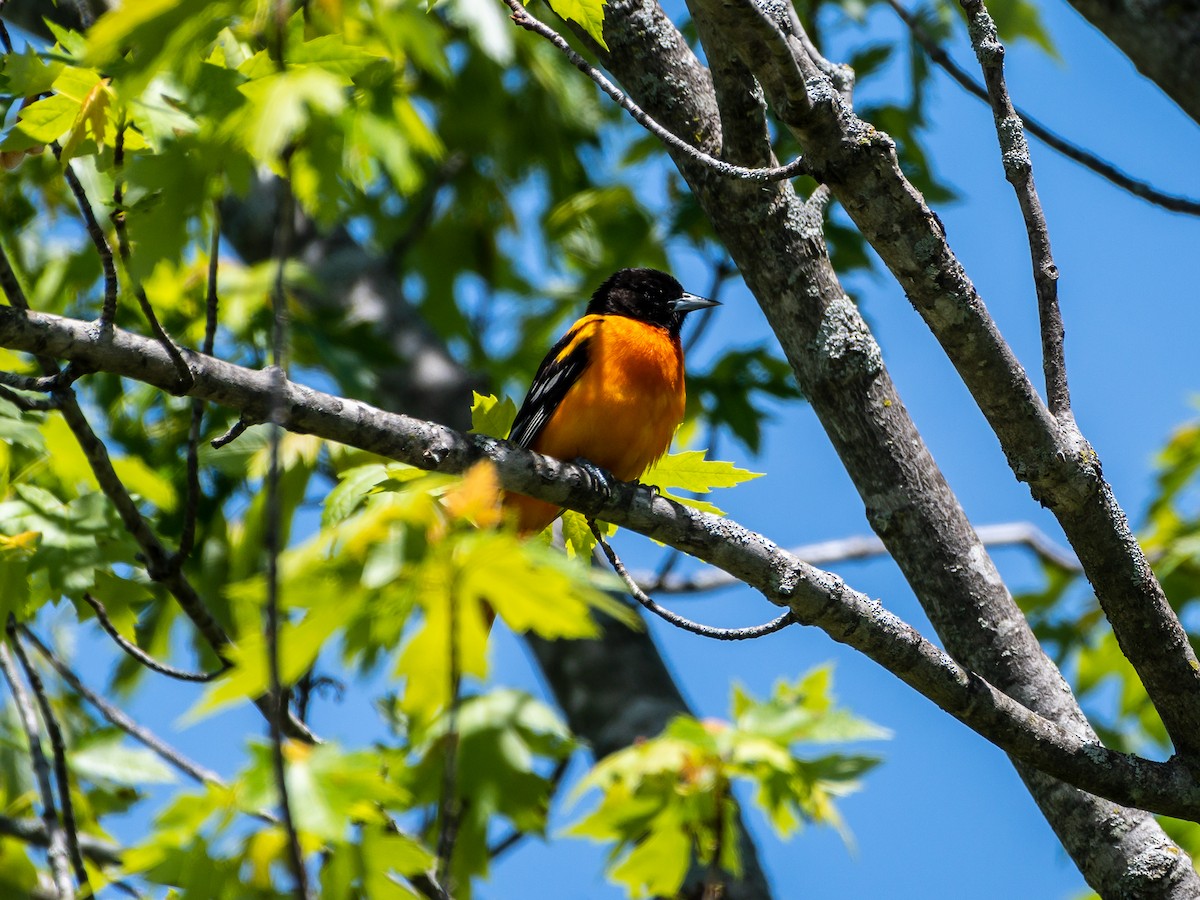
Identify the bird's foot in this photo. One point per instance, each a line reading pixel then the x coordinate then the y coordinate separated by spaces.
pixel 598 479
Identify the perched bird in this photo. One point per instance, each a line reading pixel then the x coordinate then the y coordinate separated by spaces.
pixel 611 390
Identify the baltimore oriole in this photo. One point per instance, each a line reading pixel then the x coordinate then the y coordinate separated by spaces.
pixel 611 390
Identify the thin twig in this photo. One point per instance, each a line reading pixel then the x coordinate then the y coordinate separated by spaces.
pixel 274 512
pixel 119 718
pixel 191 504
pixel 45 384
pixel 108 312
pixel 1073 152
pixel 141 655
pixel 717 634
pixel 236 430
pixel 450 809
pixel 59 747
pixel 118 219
pixel 1018 169
pixel 522 17
pixel 56 844
pixel 863 546
pixel 9 282
pixel 28 404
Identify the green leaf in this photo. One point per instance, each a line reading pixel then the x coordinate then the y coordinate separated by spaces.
pixel 26 74
pixel 353 485
pixel 690 471
pixel 105 756
pixel 15 554
pixel 331 53
pixel 492 416
pixel 577 534
pixel 504 739
pixel 299 645
pixel 330 788
pixel 145 482
pixel 42 122
pixel 281 105
pixel 657 865
pixel 588 13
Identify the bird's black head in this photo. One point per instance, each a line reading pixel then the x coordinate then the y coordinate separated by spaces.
pixel 646 294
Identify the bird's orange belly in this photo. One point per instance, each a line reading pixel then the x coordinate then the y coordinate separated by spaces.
pixel 621 414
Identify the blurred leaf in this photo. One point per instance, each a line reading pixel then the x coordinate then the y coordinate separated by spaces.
pixel 105 756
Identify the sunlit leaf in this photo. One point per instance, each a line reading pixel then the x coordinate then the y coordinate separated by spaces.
pixel 588 13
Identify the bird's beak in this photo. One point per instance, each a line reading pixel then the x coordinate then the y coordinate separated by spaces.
pixel 690 302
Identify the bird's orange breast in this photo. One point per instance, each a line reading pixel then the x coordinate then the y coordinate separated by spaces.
pixel 620 413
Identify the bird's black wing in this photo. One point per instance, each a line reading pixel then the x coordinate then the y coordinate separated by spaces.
pixel 559 370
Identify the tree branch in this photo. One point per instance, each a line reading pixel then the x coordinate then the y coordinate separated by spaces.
pixel 56 841
pixel 1073 152
pixel 524 19
pixel 859 164
pixel 1018 169
pixel 142 657
pixel 814 597
pixel 118 718
pixel 863 546
pixel 58 747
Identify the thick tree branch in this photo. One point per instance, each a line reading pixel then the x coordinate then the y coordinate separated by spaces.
pixel 1160 37
pixel 814 597
pixel 860 165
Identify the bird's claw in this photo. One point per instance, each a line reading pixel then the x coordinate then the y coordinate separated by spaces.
pixel 652 488
pixel 597 477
